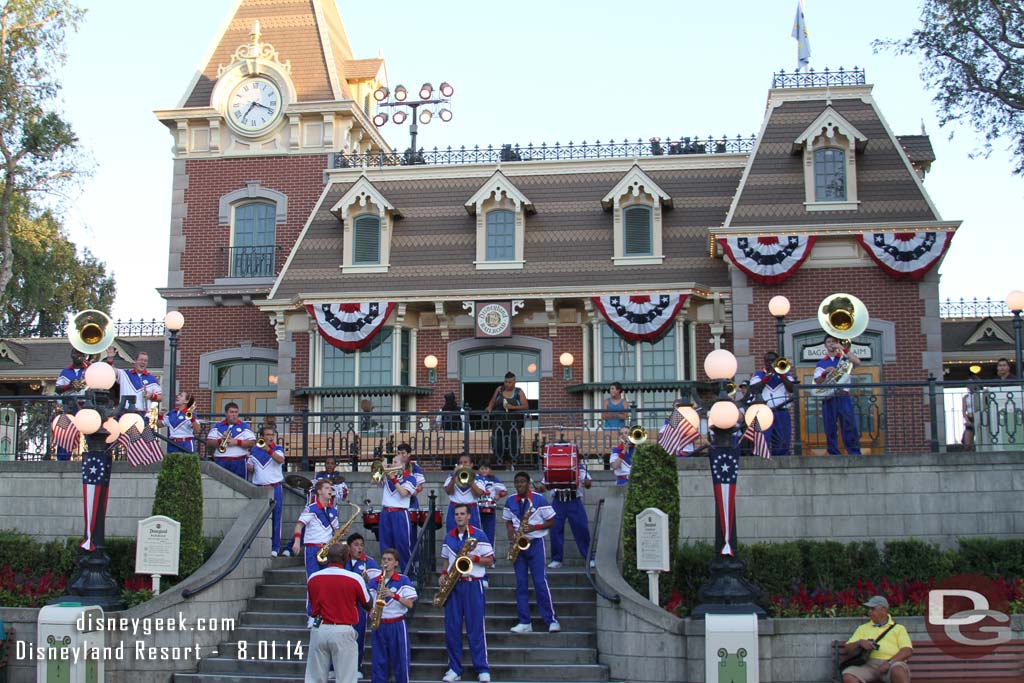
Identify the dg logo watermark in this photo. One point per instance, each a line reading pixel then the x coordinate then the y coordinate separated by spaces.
pixel 968 616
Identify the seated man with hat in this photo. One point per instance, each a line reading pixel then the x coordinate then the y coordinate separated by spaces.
pixel 888 643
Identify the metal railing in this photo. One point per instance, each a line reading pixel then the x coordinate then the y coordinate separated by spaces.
pixel 625 149
pixel 250 261
pixel 973 308
pixel 123 328
pixel 892 417
pixel 818 79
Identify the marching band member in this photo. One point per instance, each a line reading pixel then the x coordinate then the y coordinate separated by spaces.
pixel 265 464
pixel 239 440
pixel 137 383
pixel 421 480
pixel 775 390
pixel 467 603
pixel 394 530
pixel 364 565
pixel 530 561
pixel 496 491
pixel 329 472
pixel 568 505
pixel 468 495
pixel 71 382
pixel 181 428
pixel 621 459
pixel 839 406
pixel 391 639
pixel 320 521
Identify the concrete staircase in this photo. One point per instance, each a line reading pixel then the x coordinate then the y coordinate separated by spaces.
pixel 276 615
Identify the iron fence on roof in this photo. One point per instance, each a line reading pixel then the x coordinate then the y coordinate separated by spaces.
pixel 818 79
pixel 973 308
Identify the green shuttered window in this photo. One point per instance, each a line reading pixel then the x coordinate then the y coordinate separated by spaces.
pixel 366 241
pixel 639 237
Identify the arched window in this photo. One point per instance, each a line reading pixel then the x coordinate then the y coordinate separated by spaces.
pixel 366 241
pixel 253 240
pixel 638 237
pixel 249 383
pixel 501 235
pixel 829 175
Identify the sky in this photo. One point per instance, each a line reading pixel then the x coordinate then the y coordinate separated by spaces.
pixel 523 72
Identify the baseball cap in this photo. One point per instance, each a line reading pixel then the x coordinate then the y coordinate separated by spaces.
pixel 877 601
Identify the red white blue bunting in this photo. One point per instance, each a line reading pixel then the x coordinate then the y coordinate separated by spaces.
pixel 768 259
pixel 906 255
pixel 643 317
pixel 350 327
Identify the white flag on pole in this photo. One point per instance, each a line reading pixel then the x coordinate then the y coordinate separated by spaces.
pixel 803 41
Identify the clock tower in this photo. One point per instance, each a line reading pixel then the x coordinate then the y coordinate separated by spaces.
pixel 277 93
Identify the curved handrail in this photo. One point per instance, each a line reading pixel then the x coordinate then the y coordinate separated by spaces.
pixel 592 553
pixel 189 592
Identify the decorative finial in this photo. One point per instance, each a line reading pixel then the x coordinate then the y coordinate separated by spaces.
pixel 254 34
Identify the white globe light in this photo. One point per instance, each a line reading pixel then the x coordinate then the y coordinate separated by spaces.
pixel 88 421
pixel 430 362
pixel 762 413
pixel 690 415
pixel 100 376
pixel 566 359
pixel 723 415
pixel 1015 300
pixel 779 306
pixel 720 364
pixel 174 321
pixel 113 430
pixel 129 420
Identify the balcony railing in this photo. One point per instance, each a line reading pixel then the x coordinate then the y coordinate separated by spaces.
pixel 245 262
pixel 124 328
pixel 973 308
pixel 895 417
pixel 557 152
pixel 818 79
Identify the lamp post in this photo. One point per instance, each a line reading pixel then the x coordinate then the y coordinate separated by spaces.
pixel 779 307
pixel 727 591
pixel 1015 302
pixel 399 100
pixel 430 363
pixel 566 360
pixel 173 322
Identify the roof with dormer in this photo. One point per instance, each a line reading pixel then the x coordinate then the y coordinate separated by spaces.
pixel 307 33
pixel 773 192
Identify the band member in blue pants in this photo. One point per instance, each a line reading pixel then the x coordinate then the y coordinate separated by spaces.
pixel 467 602
pixel 530 509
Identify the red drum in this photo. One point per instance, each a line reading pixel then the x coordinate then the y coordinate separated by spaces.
pixel 418 517
pixel 438 519
pixel 487 505
pixel 371 520
pixel 561 466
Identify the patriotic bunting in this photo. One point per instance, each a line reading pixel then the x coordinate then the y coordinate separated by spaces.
pixel 725 465
pixel 95 487
pixel 350 327
pixel 642 317
pixel 768 259
pixel 906 255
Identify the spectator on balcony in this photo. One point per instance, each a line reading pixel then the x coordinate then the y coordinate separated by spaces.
pixel 1003 371
pixel 616 408
pixel 507 408
pixel 367 423
pixel 450 418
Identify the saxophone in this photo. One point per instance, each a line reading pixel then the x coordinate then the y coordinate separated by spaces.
pixel 520 542
pixel 373 623
pixel 339 535
pixel 462 566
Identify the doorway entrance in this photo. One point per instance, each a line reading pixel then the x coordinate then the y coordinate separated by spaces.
pixel 482 371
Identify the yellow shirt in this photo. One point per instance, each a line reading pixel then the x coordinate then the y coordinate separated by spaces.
pixel 894 641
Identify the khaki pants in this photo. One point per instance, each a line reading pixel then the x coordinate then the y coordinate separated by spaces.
pixel 868 672
pixel 332 642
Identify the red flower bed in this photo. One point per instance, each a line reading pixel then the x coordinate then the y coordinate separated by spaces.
pixel 22 589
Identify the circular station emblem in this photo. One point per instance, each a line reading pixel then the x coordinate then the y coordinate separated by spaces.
pixel 493 320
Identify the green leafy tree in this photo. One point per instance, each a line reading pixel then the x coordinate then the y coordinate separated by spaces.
pixel 179 495
pixel 653 483
pixel 972 57
pixel 38 148
pixel 49 278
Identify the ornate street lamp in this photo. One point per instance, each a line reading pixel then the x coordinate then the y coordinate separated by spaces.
pixel 779 307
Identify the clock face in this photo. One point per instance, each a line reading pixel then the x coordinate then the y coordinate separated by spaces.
pixel 254 104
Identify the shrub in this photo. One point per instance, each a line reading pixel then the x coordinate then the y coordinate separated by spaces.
pixel 653 483
pixel 993 557
pixel 179 495
pixel 773 567
pixel 915 559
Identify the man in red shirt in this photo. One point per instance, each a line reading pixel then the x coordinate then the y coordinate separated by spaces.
pixel 335 597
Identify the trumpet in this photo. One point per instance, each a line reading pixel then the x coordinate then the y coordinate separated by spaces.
pixel 463 476
pixel 261 442
pixel 730 389
pixel 637 436
pixel 782 366
pixel 153 413
pixel 339 535
pixel 222 447
pixel 379 471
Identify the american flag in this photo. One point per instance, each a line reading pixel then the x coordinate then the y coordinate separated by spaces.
pixel 95 487
pixel 725 465
pixel 755 434
pixel 65 434
pixel 142 448
pixel 678 433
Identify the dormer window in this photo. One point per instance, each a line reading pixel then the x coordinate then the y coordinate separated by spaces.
pixel 368 220
pixel 500 210
pixel 637 203
pixel 829 147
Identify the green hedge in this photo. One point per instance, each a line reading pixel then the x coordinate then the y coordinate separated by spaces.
pixel 179 495
pixel 654 483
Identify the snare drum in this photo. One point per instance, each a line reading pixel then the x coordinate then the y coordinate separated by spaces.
pixel 371 520
pixel 487 505
pixel 561 466
pixel 418 517
pixel 438 519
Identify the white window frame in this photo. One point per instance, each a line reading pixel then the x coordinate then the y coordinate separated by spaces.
pixel 360 200
pixel 636 188
pixel 498 193
pixel 830 129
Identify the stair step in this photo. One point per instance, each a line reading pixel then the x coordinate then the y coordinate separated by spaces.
pixel 567 593
pixel 293 627
pixel 248 678
pixel 502 575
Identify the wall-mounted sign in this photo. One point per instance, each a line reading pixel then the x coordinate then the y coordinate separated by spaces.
pixel 493 319
pixel 818 352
